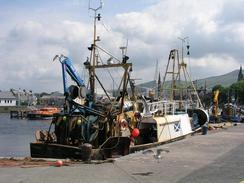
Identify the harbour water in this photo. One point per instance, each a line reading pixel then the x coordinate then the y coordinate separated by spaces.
pixel 16 135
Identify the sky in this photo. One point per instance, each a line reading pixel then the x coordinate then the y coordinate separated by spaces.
pixel 33 32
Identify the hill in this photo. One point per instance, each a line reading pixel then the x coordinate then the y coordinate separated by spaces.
pixel 224 80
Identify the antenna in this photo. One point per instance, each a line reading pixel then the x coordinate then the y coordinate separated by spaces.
pixel 156 71
pixel 124 48
pixel 97 17
pixel 127 42
pixel 183 40
pixel 188 54
pixel 95 9
pixel 124 52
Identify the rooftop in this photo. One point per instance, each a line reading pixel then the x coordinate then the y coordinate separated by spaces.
pixel 6 95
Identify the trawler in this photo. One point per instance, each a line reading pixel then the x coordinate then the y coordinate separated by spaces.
pixel 86 128
pixel 91 128
pixel 175 113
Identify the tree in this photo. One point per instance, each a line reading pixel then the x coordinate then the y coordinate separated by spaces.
pixel 240 75
pixel 237 92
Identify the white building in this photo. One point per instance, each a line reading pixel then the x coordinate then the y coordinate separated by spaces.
pixel 7 98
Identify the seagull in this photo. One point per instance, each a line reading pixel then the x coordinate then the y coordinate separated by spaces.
pixel 156 155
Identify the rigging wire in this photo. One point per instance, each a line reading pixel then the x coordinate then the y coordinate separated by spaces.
pixel 106 27
pixel 189 58
pixel 107 68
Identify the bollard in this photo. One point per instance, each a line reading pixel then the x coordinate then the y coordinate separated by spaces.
pixel 204 130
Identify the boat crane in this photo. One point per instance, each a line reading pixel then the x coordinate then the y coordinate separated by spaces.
pixel 73 91
pixel 67 67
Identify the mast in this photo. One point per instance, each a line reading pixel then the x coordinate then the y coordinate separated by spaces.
pixel 182 66
pixel 156 79
pixel 172 69
pixel 94 64
pixel 187 77
pixel 178 70
pixel 93 57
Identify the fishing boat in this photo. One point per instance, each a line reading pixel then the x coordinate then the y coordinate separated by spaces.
pixel 178 111
pixel 92 128
pixel 164 120
pixel 43 113
pixel 85 129
pixel 175 113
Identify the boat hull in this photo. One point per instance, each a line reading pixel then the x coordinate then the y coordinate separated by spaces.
pixel 43 113
pixel 172 126
pixel 155 144
pixel 113 146
pixel 48 150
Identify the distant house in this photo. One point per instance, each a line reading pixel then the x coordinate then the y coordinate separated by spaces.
pixel 53 99
pixel 7 99
pixel 24 97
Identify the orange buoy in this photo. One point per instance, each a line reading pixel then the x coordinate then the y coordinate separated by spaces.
pixel 135 132
pixel 59 163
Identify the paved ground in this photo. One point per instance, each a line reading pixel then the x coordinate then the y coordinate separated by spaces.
pixel 216 157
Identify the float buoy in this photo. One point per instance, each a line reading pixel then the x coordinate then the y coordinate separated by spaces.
pixel 78 122
pixel 59 163
pixel 135 132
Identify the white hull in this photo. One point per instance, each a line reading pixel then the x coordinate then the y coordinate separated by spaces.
pixel 170 127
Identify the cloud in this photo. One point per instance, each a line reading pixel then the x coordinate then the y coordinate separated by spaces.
pixel 28 50
pixel 211 63
pixel 211 40
pixel 215 30
pixel 236 32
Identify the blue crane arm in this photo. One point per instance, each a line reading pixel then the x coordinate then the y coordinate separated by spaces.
pixel 68 67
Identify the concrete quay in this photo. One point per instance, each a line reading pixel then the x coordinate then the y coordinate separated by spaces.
pixel 214 158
